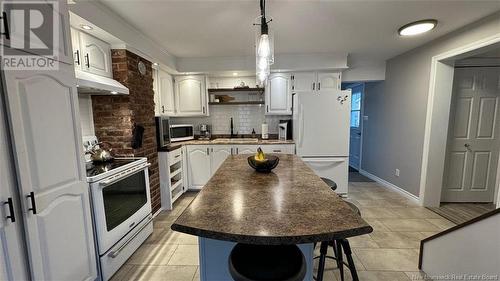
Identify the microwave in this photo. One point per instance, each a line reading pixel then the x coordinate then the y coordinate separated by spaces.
pixel 181 132
pixel 167 133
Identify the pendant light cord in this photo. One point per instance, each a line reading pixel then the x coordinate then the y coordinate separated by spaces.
pixel 263 22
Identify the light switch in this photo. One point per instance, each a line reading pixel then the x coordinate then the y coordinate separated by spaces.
pixel 365 117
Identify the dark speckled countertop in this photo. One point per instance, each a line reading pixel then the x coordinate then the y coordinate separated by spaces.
pixel 291 205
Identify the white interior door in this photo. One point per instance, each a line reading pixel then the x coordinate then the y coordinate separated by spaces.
pixel 355 133
pixel 44 120
pixel 13 257
pixel 472 154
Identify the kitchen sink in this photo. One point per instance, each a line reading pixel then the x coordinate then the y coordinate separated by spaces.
pixel 236 140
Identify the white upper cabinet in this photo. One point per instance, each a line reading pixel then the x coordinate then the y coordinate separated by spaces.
pixel 166 90
pixel 191 95
pixel 95 55
pixel 309 82
pixel 328 81
pixel 61 46
pixel 279 94
pixel 43 109
pixel 303 81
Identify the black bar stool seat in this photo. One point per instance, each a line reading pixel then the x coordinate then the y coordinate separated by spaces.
pixel 330 183
pixel 267 262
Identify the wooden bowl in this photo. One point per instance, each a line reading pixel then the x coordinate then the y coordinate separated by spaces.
pixel 265 166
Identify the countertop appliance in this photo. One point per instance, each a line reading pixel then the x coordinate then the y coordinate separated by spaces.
pixel 121 206
pixel 285 131
pixel 204 132
pixel 162 131
pixel 181 132
pixel 321 131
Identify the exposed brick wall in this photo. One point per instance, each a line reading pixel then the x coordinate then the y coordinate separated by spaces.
pixel 116 116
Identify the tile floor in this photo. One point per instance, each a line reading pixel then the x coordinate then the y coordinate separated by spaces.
pixel 389 253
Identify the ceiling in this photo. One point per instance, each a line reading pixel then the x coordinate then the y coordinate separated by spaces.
pixel 365 29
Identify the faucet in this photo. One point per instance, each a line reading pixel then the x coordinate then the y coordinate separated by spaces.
pixel 232 128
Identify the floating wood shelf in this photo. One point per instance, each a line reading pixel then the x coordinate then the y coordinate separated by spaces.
pixel 237 103
pixel 222 90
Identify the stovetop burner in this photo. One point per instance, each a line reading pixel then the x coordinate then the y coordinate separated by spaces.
pixel 99 168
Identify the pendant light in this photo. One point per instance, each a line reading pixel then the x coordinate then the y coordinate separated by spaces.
pixel 264 46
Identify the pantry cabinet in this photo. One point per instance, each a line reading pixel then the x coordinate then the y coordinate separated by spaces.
pixel 191 95
pixel 91 54
pixel 204 160
pixel 278 94
pixel 53 192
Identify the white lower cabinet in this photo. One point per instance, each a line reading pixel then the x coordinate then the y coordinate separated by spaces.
pixel 199 171
pixel 219 155
pixel 203 161
pixel 172 180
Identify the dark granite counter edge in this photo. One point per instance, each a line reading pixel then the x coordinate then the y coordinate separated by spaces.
pixel 272 240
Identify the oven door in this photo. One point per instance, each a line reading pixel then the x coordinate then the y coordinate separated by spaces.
pixel 120 202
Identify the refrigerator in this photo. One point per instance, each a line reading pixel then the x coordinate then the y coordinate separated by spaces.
pixel 321 133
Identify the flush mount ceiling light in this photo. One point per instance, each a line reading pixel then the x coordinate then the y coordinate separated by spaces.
pixel 235 73
pixel 264 45
pixel 86 27
pixel 417 27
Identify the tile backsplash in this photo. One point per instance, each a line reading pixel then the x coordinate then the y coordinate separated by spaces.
pixel 245 118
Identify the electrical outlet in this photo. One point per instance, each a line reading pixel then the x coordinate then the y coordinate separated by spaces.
pixel 396 173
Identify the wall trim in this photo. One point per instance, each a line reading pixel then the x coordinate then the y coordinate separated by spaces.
pixel 391 186
pixel 429 197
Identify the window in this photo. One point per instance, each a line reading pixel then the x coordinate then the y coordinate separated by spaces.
pixel 356 107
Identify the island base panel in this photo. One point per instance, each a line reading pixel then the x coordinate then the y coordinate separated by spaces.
pixel 214 255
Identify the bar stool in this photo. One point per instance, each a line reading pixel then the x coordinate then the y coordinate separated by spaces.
pixel 330 183
pixel 338 246
pixel 267 262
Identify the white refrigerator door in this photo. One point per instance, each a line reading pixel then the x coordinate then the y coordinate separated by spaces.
pixel 334 168
pixel 321 123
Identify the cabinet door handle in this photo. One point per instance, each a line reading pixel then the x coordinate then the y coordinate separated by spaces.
pixel 87 60
pixel 5 26
pixel 33 203
pixel 319 86
pixel 162 109
pixel 203 110
pixel 237 150
pixel 314 85
pixel 277 150
pixel 208 151
pixel 77 54
pixel 267 108
pixel 11 215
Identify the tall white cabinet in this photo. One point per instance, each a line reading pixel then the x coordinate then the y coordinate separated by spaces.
pixel 50 197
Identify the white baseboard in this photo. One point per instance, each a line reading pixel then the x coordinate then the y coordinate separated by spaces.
pixel 391 186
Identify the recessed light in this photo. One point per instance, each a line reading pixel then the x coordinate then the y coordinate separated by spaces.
pixel 235 73
pixel 417 27
pixel 155 64
pixel 114 92
pixel 86 27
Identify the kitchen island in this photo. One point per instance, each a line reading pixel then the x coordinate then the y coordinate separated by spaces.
pixel 290 205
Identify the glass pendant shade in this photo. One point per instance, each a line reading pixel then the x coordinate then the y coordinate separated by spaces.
pixel 264 53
